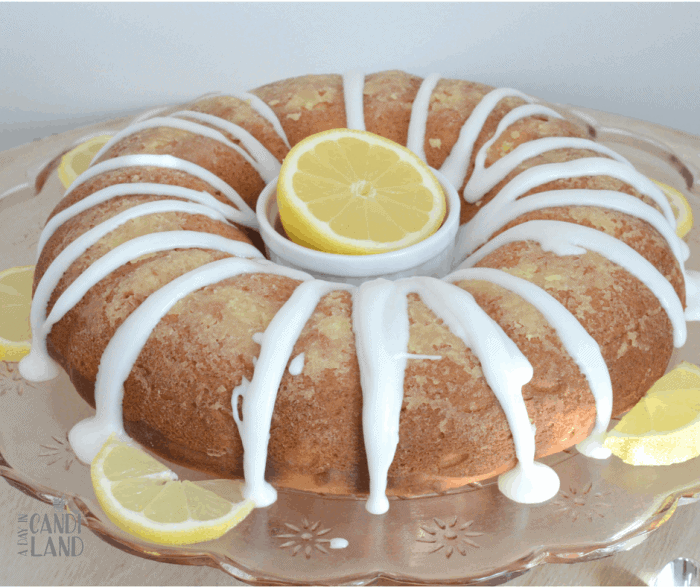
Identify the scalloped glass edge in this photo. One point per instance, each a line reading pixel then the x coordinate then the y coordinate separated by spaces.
pixel 36 174
pixel 164 554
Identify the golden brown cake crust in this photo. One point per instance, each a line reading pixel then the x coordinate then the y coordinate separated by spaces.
pixel 452 428
pixel 212 155
pixel 241 113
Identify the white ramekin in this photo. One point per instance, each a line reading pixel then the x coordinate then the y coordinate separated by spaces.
pixel 431 257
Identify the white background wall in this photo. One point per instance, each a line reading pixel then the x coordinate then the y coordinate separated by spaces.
pixel 85 61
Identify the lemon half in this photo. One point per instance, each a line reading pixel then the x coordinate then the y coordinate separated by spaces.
pixel 353 192
pixel 144 498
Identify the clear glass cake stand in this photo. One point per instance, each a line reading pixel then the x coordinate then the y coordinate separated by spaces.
pixel 473 535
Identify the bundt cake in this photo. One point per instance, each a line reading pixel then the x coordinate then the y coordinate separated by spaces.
pixel 566 298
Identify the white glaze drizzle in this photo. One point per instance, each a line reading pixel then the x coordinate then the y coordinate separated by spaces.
pixel 518 113
pixel 260 394
pixel 565 238
pixel 491 176
pixel 484 224
pixel 75 249
pixel 586 167
pixel 455 165
pixel 353 87
pixel 382 357
pixel 123 349
pixel 256 104
pixel 457 162
pixel 419 116
pixel 490 218
pixel 159 121
pixel 269 165
pixel 39 362
pixel 483 179
pixel 169 162
pixel 296 366
pixel 580 345
pixel 506 370
pixel 180 124
pixel 263 110
pixel 380 322
pixel 338 543
pixel 134 189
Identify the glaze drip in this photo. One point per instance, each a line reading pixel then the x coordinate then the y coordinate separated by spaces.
pixel 259 396
pixel 118 359
pixel 580 345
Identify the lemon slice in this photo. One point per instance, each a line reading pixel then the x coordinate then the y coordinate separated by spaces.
pixel 680 206
pixel 664 427
pixel 76 161
pixel 144 498
pixel 355 193
pixel 15 301
pixel 684 376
